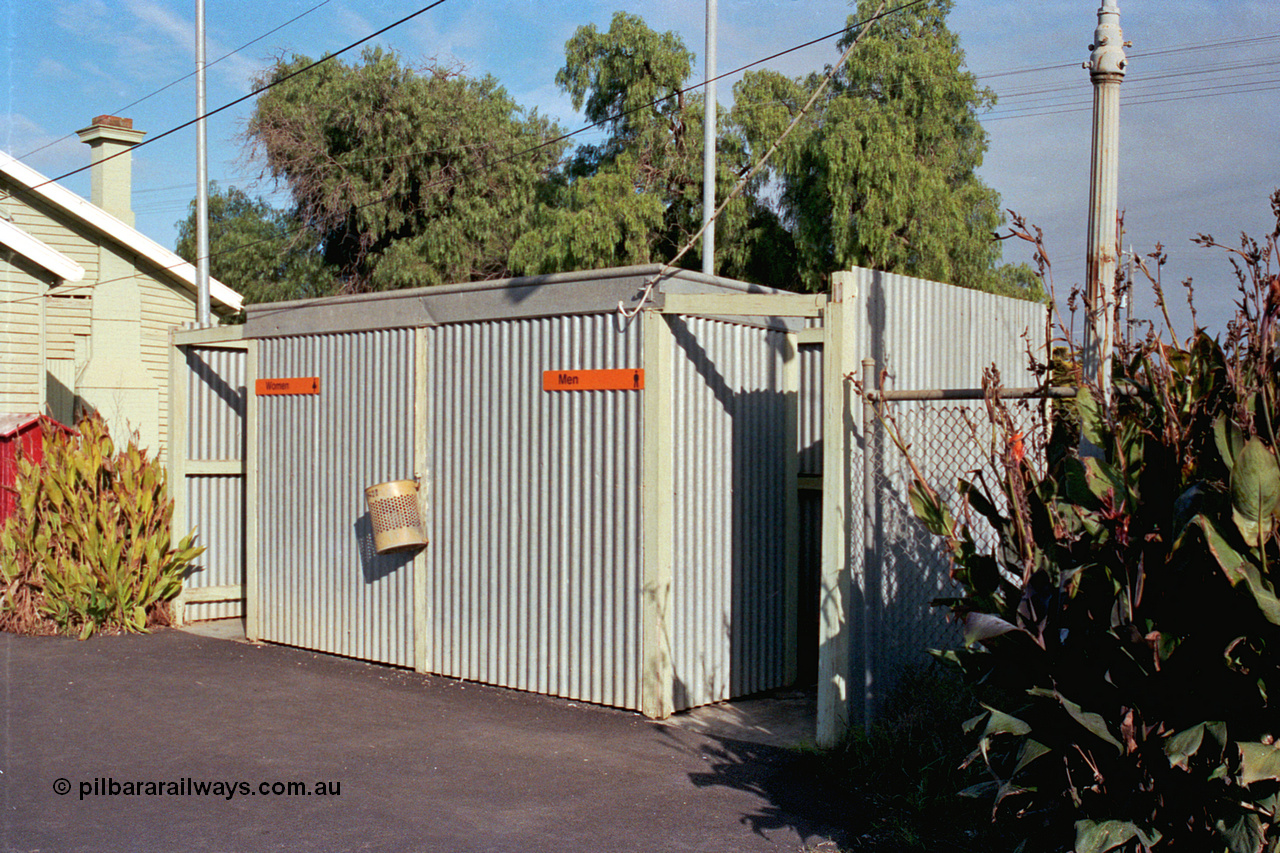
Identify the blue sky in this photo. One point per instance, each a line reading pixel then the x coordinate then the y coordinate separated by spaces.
pixel 1199 145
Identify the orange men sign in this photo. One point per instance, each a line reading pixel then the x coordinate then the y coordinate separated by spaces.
pixel 593 380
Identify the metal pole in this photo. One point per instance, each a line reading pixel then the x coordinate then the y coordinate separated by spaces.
pixel 709 148
pixel 1106 69
pixel 869 553
pixel 1128 302
pixel 202 180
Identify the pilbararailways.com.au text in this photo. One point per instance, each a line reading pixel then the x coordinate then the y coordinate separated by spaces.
pixel 187 787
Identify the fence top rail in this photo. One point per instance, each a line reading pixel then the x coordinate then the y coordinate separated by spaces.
pixel 1052 392
pixel 972 394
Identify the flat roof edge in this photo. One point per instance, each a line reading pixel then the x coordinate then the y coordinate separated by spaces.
pixel 580 292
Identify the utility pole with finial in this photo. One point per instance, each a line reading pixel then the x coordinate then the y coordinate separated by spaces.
pixel 1106 69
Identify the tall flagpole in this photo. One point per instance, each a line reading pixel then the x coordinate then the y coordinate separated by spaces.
pixel 202 180
pixel 709 148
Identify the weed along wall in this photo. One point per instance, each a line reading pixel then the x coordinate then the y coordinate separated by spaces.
pixel 606 499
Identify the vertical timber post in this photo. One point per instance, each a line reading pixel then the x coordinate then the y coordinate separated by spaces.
pixel 791 506
pixel 176 453
pixel 657 688
pixel 1106 69
pixel 252 606
pixel 421 449
pixel 834 583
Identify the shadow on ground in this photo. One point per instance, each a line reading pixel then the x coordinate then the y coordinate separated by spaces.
pixel 788 795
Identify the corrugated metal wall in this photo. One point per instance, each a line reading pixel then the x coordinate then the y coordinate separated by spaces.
pixel 215 417
pixel 931 335
pixel 926 335
pixel 534 567
pixel 320 584
pixel 809 441
pixel 728 577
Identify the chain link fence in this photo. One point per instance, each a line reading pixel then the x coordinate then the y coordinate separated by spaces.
pixel 905 568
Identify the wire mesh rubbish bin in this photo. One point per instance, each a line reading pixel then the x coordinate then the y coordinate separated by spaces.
pixel 395 515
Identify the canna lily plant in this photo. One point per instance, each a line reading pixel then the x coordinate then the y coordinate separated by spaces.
pixel 1123 637
pixel 89 546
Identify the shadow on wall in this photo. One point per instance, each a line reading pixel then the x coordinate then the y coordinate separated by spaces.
pixel 728 622
pixel 374 566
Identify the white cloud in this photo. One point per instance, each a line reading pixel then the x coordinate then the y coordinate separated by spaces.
pixel 38 147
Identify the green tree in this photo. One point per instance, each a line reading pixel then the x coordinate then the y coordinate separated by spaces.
pixel 261 252
pixel 882 173
pixel 637 196
pixel 406 177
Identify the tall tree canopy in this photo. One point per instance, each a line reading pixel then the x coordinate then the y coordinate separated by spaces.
pixel 407 177
pixel 637 196
pixel 260 251
pixel 883 173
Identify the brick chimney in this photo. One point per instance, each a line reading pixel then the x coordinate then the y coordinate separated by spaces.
pixel 110 139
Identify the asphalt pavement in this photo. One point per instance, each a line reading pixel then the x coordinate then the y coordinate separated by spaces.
pixel 180 742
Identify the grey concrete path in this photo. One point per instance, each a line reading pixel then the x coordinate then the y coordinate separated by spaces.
pixel 130 727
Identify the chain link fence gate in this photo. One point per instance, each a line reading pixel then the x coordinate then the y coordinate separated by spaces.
pixel 949 435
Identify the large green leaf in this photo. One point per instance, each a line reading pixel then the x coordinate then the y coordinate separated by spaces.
pixel 1103 480
pixel 1031 750
pixel 1000 723
pixel 1242 835
pixel 1181 746
pixel 1093 425
pixel 1092 721
pixel 1092 837
pixel 984 626
pixel 1258 762
pixel 1255 491
pixel 930 509
pixel 1228 438
pixel 1237 567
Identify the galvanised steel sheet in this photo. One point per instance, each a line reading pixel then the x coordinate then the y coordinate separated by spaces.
pixel 931 335
pixel 534 567
pixel 216 512
pixel 924 335
pixel 809 441
pixel 215 504
pixel 728 577
pixel 320 584
pixel 215 403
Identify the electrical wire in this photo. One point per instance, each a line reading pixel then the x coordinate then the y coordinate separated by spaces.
pixel 628 314
pixel 186 76
pixel 562 137
pixel 513 156
pixel 322 60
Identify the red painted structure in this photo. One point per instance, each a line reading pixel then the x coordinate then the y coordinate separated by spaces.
pixel 20 436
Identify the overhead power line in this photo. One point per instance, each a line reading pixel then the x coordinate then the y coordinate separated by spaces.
pixel 489 165
pixel 187 76
pixel 254 93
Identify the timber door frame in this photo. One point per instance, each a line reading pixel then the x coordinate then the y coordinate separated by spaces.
pixel 182 468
